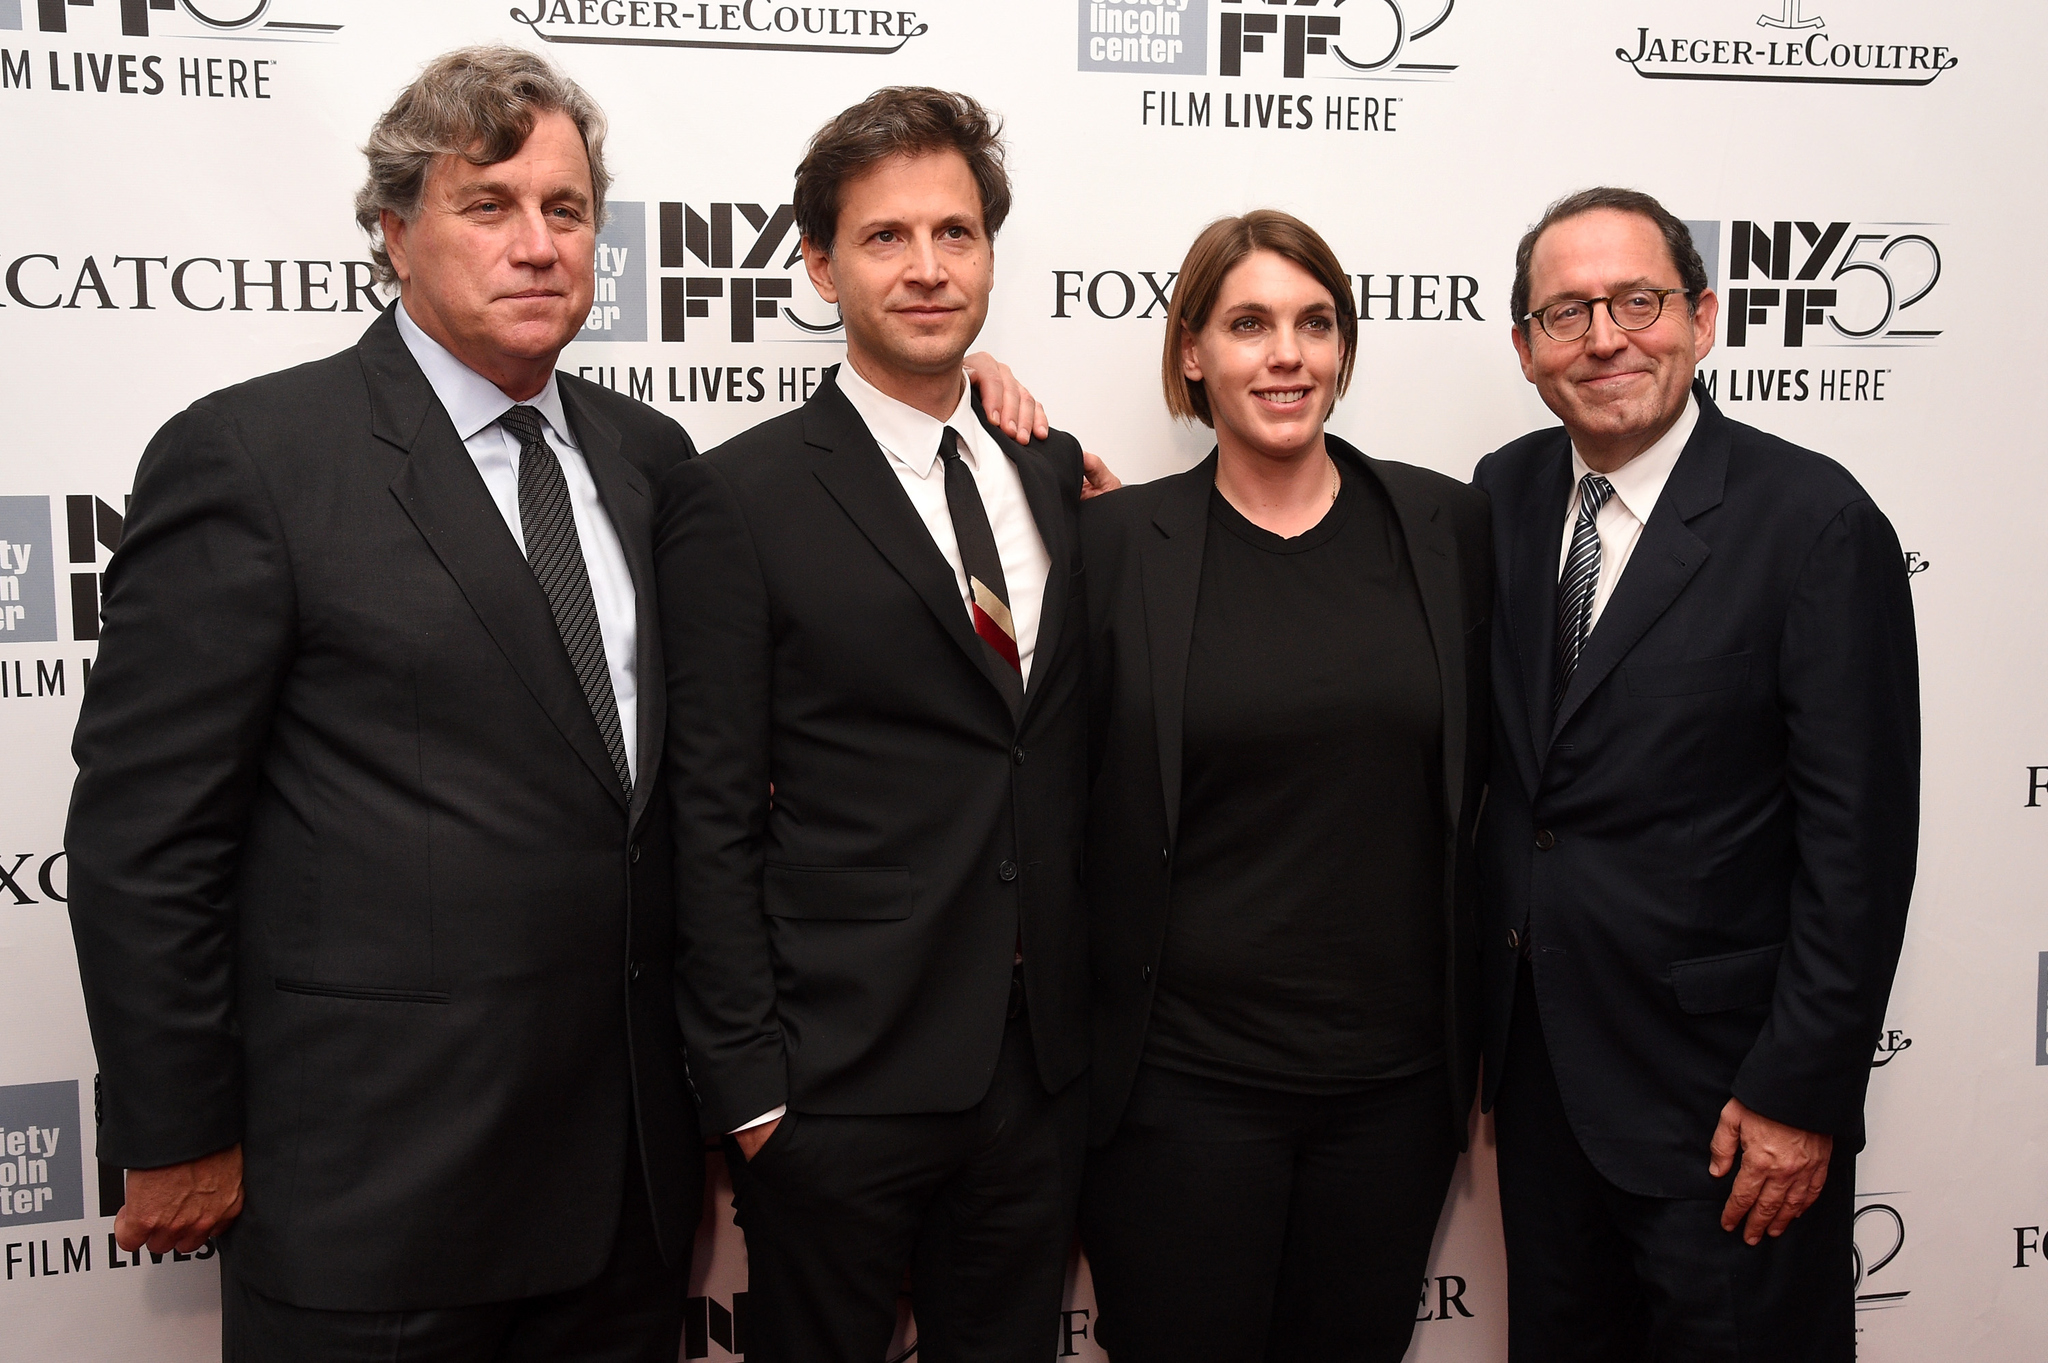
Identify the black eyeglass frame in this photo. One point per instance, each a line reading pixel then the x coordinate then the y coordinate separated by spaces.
pixel 1663 298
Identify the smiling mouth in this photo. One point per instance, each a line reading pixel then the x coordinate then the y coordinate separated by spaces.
pixel 1283 397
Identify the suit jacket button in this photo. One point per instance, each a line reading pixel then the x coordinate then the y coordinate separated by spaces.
pixel 1007 871
pixel 633 971
pixel 1145 974
pixel 633 853
pixel 1514 940
pixel 1545 840
pixel 1017 756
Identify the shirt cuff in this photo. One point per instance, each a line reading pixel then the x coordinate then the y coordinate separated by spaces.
pixel 773 1115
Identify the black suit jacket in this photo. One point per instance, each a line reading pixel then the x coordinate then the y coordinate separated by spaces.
pixel 1711 843
pixel 848 944
pixel 1143 546
pixel 352 878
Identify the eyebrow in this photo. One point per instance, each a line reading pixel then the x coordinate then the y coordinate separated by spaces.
pixel 1265 310
pixel 500 190
pixel 898 224
pixel 1639 282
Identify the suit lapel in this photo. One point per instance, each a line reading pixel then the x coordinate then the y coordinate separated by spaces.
pixel 1172 569
pixel 1433 558
pixel 1665 558
pixel 1042 494
pixel 623 491
pixel 441 490
pixel 1529 604
pixel 857 475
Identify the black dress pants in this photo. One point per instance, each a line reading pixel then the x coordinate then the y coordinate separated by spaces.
pixel 631 1313
pixel 977 1205
pixel 1600 1275
pixel 1233 1224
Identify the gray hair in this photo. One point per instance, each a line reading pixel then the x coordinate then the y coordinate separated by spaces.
pixel 479 103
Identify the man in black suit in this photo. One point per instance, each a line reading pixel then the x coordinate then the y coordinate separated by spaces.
pixel 874 625
pixel 1699 843
pixel 370 854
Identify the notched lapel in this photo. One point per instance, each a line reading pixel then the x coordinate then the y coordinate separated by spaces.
pixel 1433 558
pixel 1666 557
pixel 1528 603
pixel 1042 494
pixel 441 490
pixel 1172 572
pixel 857 475
pixel 623 490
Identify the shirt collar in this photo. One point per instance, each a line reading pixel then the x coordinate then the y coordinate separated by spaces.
pixel 471 400
pixel 909 436
pixel 1640 481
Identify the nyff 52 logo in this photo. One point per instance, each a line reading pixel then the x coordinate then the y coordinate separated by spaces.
pixel 1799 283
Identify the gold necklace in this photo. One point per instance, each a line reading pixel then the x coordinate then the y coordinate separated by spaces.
pixel 1336 481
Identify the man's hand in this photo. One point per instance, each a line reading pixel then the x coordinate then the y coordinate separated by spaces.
pixel 1783 1170
pixel 1008 403
pixel 181 1206
pixel 754 1137
pixel 1096 478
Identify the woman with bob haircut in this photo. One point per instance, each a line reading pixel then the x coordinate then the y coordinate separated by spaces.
pixel 1289 727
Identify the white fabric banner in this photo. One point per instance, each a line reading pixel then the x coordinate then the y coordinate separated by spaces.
pixel 1857 174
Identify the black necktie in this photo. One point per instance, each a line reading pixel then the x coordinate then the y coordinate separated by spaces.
pixel 1579 582
pixel 556 556
pixel 988 596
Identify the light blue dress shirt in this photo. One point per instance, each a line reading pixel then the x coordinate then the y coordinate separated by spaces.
pixel 474 404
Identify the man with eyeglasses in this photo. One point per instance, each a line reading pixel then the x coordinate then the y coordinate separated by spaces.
pixel 1699 842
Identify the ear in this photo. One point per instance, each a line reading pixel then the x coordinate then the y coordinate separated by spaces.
pixel 1522 352
pixel 1704 314
pixel 818 265
pixel 393 228
pixel 1190 362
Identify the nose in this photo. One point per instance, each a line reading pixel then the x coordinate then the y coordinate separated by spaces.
pixel 1285 350
pixel 532 243
pixel 1604 337
pixel 924 266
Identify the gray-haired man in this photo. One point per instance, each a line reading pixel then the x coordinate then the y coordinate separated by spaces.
pixel 371 881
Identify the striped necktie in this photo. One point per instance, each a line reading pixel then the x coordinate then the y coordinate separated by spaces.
pixel 553 551
pixel 988 596
pixel 1579 581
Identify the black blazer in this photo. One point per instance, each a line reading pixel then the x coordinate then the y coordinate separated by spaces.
pixel 1711 844
pixel 847 944
pixel 1143 545
pixel 352 878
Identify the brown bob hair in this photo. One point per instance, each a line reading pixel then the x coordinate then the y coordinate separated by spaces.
pixel 1222 245
pixel 900 120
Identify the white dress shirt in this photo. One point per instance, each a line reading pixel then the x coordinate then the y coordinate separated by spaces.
pixel 1637 485
pixel 910 439
pixel 474 404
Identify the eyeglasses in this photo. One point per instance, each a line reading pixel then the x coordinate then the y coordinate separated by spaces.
pixel 1635 310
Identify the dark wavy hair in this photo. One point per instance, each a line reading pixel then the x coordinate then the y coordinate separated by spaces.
pixel 901 120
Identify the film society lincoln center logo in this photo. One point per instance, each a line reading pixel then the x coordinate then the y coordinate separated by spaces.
pixel 1291 39
pixel 39 1163
pixel 1791 44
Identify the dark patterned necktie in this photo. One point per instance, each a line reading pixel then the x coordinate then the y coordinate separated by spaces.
pixel 556 556
pixel 1578 583
pixel 988 596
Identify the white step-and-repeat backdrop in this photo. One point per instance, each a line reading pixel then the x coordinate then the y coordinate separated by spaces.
pixel 1864 176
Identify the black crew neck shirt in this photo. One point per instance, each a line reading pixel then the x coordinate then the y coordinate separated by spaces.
pixel 1305 937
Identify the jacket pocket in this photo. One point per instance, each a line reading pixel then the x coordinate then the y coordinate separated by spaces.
pixel 362 992
pixel 1738 979
pixel 859 893
pixel 1689 678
